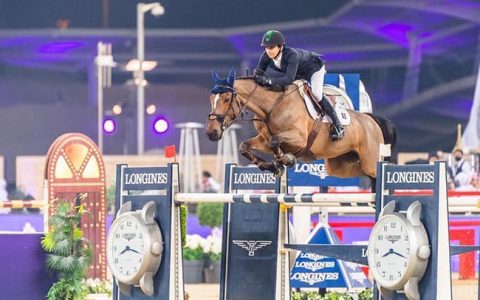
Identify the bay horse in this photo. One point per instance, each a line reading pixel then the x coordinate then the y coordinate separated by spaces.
pixel 284 129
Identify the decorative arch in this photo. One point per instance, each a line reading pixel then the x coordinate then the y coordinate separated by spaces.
pixel 75 166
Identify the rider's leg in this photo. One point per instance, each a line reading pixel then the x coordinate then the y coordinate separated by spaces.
pixel 317 89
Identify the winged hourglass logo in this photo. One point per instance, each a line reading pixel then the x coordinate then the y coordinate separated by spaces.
pixel 251 246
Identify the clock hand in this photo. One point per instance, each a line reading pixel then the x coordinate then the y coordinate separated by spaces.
pixel 396 253
pixel 133 250
pixel 125 250
pixel 390 251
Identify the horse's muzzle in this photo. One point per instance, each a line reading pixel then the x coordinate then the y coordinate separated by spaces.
pixel 214 134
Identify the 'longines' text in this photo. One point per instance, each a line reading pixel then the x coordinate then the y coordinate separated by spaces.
pixel 256 178
pixel 146 178
pixel 410 177
pixel 312 278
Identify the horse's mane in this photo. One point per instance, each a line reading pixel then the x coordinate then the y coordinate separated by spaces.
pixel 272 89
pixel 245 77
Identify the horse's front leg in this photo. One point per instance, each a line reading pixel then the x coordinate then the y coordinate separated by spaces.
pixel 286 159
pixel 258 143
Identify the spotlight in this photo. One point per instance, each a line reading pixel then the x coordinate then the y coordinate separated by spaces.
pixel 117 109
pixel 109 125
pixel 160 125
pixel 151 109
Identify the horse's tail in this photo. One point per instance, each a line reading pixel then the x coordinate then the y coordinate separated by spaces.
pixel 389 133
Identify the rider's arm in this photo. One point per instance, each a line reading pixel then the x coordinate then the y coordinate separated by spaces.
pixel 263 63
pixel 288 77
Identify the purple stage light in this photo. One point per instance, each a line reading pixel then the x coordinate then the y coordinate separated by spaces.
pixel 160 125
pixel 59 47
pixel 109 125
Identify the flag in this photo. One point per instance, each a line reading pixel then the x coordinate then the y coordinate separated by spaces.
pixel 471 135
pixel 170 151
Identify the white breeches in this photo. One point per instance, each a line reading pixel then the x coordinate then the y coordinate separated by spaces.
pixel 317 83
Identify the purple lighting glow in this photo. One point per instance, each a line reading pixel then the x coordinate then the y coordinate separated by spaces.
pixel 160 125
pixel 109 125
pixel 59 47
pixel 397 32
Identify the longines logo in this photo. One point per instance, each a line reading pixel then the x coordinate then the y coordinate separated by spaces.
pixel 314 265
pixel 318 170
pixel 313 278
pixel 251 246
pixel 410 177
pixel 145 178
pixel 311 256
pixel 255 178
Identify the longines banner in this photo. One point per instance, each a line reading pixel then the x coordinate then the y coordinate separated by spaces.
pixel 315 174
pixel 145 178
pixel 316 271
pixel 253 178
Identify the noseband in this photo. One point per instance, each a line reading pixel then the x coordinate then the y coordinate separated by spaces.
pixel 221 117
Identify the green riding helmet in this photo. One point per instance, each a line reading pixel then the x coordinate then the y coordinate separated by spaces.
pixel 273 38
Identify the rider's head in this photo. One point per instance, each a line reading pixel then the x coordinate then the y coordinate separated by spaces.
pixel 273 42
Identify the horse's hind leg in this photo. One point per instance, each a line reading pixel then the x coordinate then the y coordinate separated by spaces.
pixel 258 143
pixel 344 166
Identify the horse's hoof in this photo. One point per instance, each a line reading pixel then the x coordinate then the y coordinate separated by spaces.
pixel 280 171
pixel 290 160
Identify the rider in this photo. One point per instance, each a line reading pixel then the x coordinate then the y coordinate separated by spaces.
pixel 289 64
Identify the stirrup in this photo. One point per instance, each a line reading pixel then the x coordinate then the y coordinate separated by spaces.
pixel 336 133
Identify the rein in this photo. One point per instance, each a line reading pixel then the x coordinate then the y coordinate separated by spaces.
pixel 221 117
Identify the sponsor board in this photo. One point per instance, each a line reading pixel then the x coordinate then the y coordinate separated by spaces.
pixel 316 271
pixel 315 174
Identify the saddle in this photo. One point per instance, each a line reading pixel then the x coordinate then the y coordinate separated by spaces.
pixel 315 110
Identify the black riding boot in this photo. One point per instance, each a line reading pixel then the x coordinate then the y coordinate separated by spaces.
pixel 337 130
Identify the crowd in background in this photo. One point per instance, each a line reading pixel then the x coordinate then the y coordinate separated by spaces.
pixel 462 169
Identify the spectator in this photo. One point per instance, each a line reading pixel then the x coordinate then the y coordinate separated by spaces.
pixel 15 193
pixel 209 185
pixel 3 195
pixel 435 155
pixel 461 171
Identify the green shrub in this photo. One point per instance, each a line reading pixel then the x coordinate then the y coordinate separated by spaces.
pixel 69 253
pixel 183 224
pixel 210 214
pixel 366 294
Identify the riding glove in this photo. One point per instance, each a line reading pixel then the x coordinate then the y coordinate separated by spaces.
pixel 263 80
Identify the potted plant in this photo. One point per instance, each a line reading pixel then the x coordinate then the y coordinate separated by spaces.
pixel 193 259
pixel 96 289
pixel 210 214
pixel 212 248
pixel 69 253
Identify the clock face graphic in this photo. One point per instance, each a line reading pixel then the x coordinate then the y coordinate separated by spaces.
pixel 135 247
pixel 389 250
pixel 126 247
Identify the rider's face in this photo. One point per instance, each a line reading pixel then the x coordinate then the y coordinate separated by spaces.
pixel 272 51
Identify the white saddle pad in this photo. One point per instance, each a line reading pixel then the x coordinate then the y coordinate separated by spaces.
pixel 340 108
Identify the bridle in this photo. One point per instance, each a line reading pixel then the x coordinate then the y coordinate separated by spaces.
pixel 221 117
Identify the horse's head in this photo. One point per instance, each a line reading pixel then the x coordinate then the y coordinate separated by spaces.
pixel 224 109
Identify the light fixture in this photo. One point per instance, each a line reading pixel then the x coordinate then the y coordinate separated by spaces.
pixel 160 125
pixel 151 109
pixel 117 109
pixel 137 82
pixel 133 65
pixel 109 125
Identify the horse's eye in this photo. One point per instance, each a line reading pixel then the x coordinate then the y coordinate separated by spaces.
pixel 226 99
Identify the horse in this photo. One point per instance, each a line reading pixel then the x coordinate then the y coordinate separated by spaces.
pixel 286 130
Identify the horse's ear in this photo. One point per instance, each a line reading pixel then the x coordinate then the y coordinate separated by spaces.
pixel 231 77
pixel 215 76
